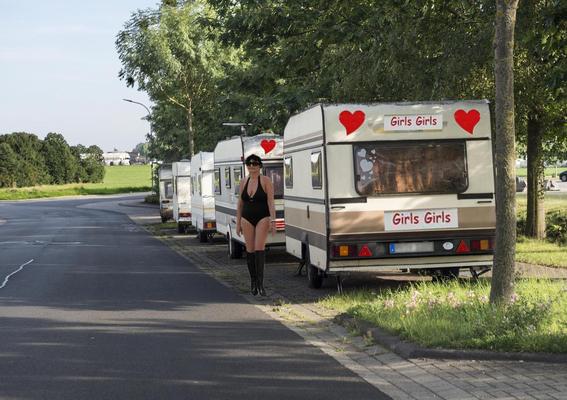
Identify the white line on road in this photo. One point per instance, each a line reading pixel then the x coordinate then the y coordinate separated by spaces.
pixel 15 272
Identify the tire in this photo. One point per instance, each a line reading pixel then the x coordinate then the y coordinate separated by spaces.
pixel 314 275
pixel 180 228
pixel 564 178
pixel 234 248
pixel 202 236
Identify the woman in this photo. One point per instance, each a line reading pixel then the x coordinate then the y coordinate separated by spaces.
pixel 255 217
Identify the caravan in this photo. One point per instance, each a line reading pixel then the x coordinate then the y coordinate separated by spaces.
pixel 382 187
pixel 165 192
pixel 203 197
pixel 229 158
pixel 182 194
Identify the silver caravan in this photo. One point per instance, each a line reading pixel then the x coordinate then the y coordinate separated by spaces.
pixel 229 158
pixel 165 192
pixel 182 194
pixel 202 195
pixel 382 187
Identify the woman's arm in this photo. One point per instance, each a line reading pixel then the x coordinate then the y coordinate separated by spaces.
pixel 271 204
pixel 239 209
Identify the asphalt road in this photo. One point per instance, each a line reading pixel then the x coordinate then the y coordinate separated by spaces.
pixel 105 311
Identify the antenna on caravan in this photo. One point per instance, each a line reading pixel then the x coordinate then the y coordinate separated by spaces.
pixel 242 125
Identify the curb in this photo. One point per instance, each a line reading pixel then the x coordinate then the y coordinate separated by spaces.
pixel 410 350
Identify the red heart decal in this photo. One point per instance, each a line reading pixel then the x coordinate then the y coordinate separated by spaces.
pixel 268 145
pixel 467 120
pixel 351 121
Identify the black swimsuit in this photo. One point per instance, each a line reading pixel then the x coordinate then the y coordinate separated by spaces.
pixel 254 208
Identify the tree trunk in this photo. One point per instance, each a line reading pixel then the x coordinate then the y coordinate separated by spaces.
pixel 502 286
pixel 190 128
pixel 535 220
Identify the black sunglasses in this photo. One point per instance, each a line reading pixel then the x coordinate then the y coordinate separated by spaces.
pixel 253 163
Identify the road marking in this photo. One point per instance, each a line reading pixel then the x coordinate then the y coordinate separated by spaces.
pixel 15 272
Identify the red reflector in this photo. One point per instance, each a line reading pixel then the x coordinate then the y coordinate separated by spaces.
pixel 463 247
pixel 364 251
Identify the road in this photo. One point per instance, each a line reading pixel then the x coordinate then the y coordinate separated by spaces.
pixel 92 307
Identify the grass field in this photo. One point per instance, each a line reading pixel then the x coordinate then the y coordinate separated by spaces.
pixel 117 179
pixel 549 172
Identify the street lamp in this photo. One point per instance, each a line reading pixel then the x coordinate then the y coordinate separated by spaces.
pixel 147 118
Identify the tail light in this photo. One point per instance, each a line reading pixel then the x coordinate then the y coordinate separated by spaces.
pixel 344 250
pixel 210 225
pixel 481 244
pixel 280 224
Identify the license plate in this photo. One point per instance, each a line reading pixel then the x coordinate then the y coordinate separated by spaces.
pixel 184 219
pixel 411 247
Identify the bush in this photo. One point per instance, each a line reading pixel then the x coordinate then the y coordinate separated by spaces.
pixel 556 225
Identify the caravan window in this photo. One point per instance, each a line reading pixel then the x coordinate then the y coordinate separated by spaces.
pixel 227 177
pixel 168 190
pixel 237 179
pixel 316 170
pixel 275 173
pixel 411 167
pixel 288 172
pixel 217 183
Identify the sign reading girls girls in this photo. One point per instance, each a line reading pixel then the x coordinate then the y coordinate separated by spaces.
pixel 428 122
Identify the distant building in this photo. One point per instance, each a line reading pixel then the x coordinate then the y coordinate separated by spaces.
pixel 116 158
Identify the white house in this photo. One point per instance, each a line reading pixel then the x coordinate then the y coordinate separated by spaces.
pixel 116 158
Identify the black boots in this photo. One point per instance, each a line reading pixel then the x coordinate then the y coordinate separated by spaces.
pixel 250 260
pixel 260 260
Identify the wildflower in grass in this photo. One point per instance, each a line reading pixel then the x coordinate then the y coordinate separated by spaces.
pixel 483 298
pixel 433 302
pixel 514 298
pixel 389 304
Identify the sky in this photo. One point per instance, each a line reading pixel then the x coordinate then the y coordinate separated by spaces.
pixel 59 72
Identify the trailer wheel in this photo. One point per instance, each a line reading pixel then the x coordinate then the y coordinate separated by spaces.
pixel 314 274
pixel 234 248
pixel 180 228
pixel 202 236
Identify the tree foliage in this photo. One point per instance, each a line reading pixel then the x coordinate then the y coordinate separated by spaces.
pixel 25 160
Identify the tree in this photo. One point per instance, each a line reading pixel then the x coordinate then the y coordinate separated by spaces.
pixel 502 286
pixel 541 67
pixel 31 163
pixel 173 57
pixel 9 166
pixel 60 162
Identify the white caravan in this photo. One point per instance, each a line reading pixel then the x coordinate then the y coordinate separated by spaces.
pixel 382 187
pixel 229 170
pixel 202 195
pixel 165 177
pixel 182 194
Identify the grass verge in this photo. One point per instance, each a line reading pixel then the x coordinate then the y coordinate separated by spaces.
pixel 458 315
pixel 117 179
pixel 540 252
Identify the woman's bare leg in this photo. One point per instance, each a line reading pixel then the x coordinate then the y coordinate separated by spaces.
pixel 249 235
pixel 261 235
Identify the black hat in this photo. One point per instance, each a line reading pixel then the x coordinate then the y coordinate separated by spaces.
pixel 253 157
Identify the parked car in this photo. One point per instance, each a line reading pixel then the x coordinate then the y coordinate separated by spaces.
pixel 520 184
pixel 563 176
